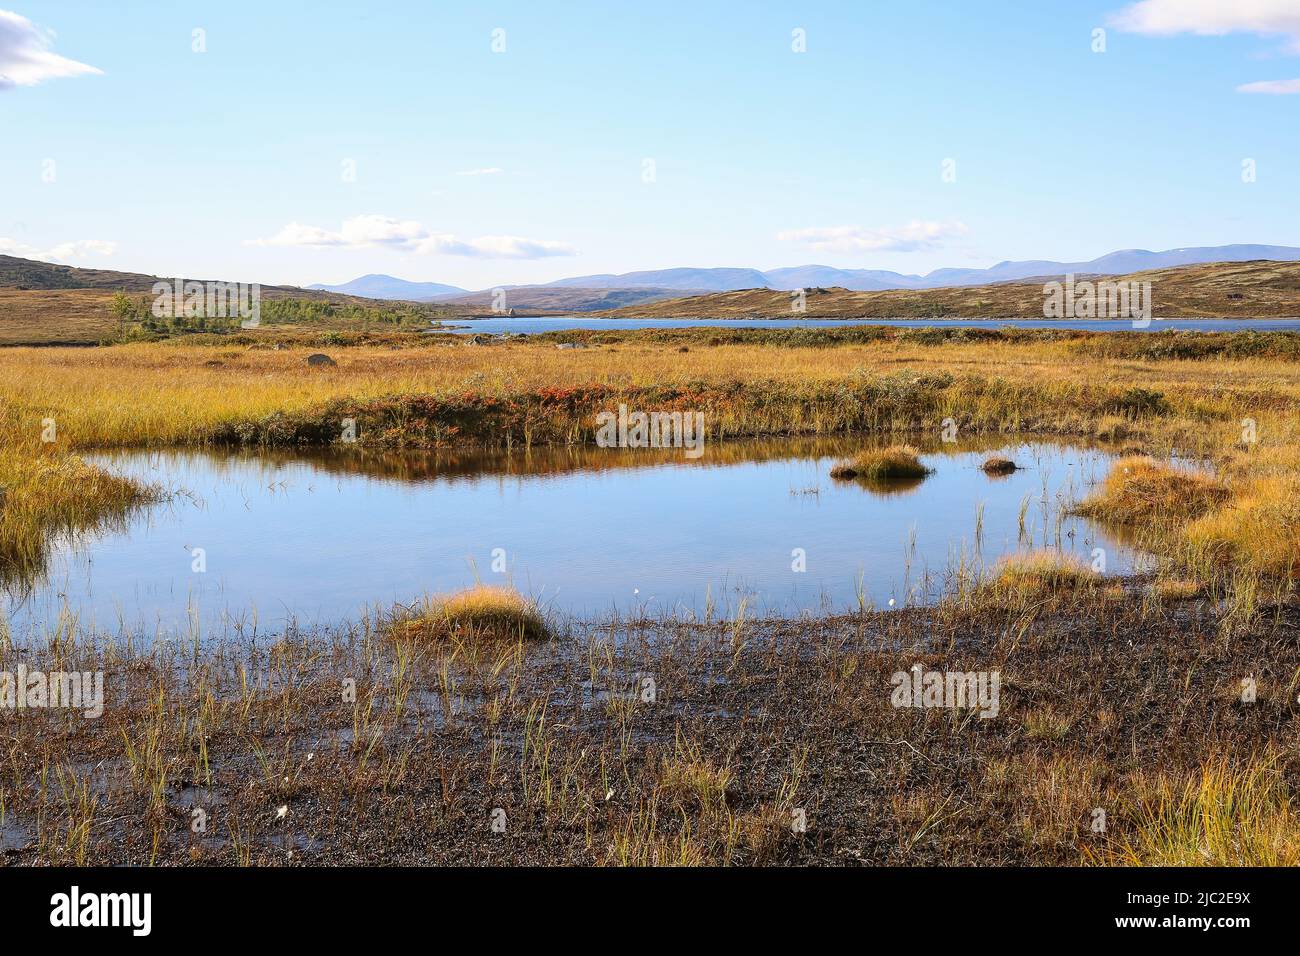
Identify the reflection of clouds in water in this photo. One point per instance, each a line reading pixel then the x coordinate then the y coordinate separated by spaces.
pixel 323 535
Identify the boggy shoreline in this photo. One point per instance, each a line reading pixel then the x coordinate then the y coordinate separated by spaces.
pixel 676 742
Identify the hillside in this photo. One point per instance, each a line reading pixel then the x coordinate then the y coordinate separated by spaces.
pixel 31 274
pixel 46 304
pixel 1214 290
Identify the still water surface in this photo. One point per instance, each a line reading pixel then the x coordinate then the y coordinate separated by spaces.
pixel 589 532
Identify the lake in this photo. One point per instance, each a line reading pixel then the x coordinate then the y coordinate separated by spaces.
pixel 589 532
pixel 535 326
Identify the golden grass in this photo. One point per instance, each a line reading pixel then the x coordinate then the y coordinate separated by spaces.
pixel 898 461
pixel 1046 723
pixel 1113 428
pixel 1229 813
pixel 690 781
pixel 1259 528
pixel 54 494
pixel 1041 574
pixel 167 393
pixel 1177 589
pixel 1141 491
pixel 478 612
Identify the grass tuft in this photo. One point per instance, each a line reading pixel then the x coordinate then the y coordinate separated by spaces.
pixel 898 461
pixel 480 611
pixel 1141 490
pixel 1260 528
pixel 1041 574
pixel 997 465
pixel 1225 814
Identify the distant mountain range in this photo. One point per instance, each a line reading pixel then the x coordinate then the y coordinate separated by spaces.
pixel 658 283
pixel 375 286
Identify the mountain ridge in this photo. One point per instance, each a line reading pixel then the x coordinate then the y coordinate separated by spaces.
pixel 730 279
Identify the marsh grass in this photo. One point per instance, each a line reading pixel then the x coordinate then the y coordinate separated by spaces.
pixel 1039 575
pixel 52 495
pixel 1177 589
pixel 745 738
pixel 1142 491
pixel 1259 528
pixel 498 613
pixel 1229 812
pixel 997 465
pixel 895 462
pixel 758 717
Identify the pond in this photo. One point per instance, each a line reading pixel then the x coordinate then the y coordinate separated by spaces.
pixel 261 540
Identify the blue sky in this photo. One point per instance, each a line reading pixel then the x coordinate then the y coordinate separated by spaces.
pixel 476 167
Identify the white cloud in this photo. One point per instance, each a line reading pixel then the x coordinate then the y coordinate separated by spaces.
pixel 25 57
pixel 914 236
pixel 485 171
pixel 1213 18
pixel 357 231
pixel 407 235
pixel 63 252
pixel 1276 87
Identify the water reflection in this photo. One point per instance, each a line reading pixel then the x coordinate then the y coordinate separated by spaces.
pixel 589 531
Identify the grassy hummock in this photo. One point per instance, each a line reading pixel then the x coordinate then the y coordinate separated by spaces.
pixel 480 611
pixel 997 465
pixel 1043 573
pixel 1141 490
pixel 897 461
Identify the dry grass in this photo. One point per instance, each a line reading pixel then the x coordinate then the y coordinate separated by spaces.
pixel 691 781
pixel 1048 724
pixel 44 496
pixel 479 612
pixel 1142 491
pixel 171 393
pixel 1177 589
pixel 1259 528
pixel 898 461
pixel 1041 574
pixel 1229 813
pixel 1052 795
